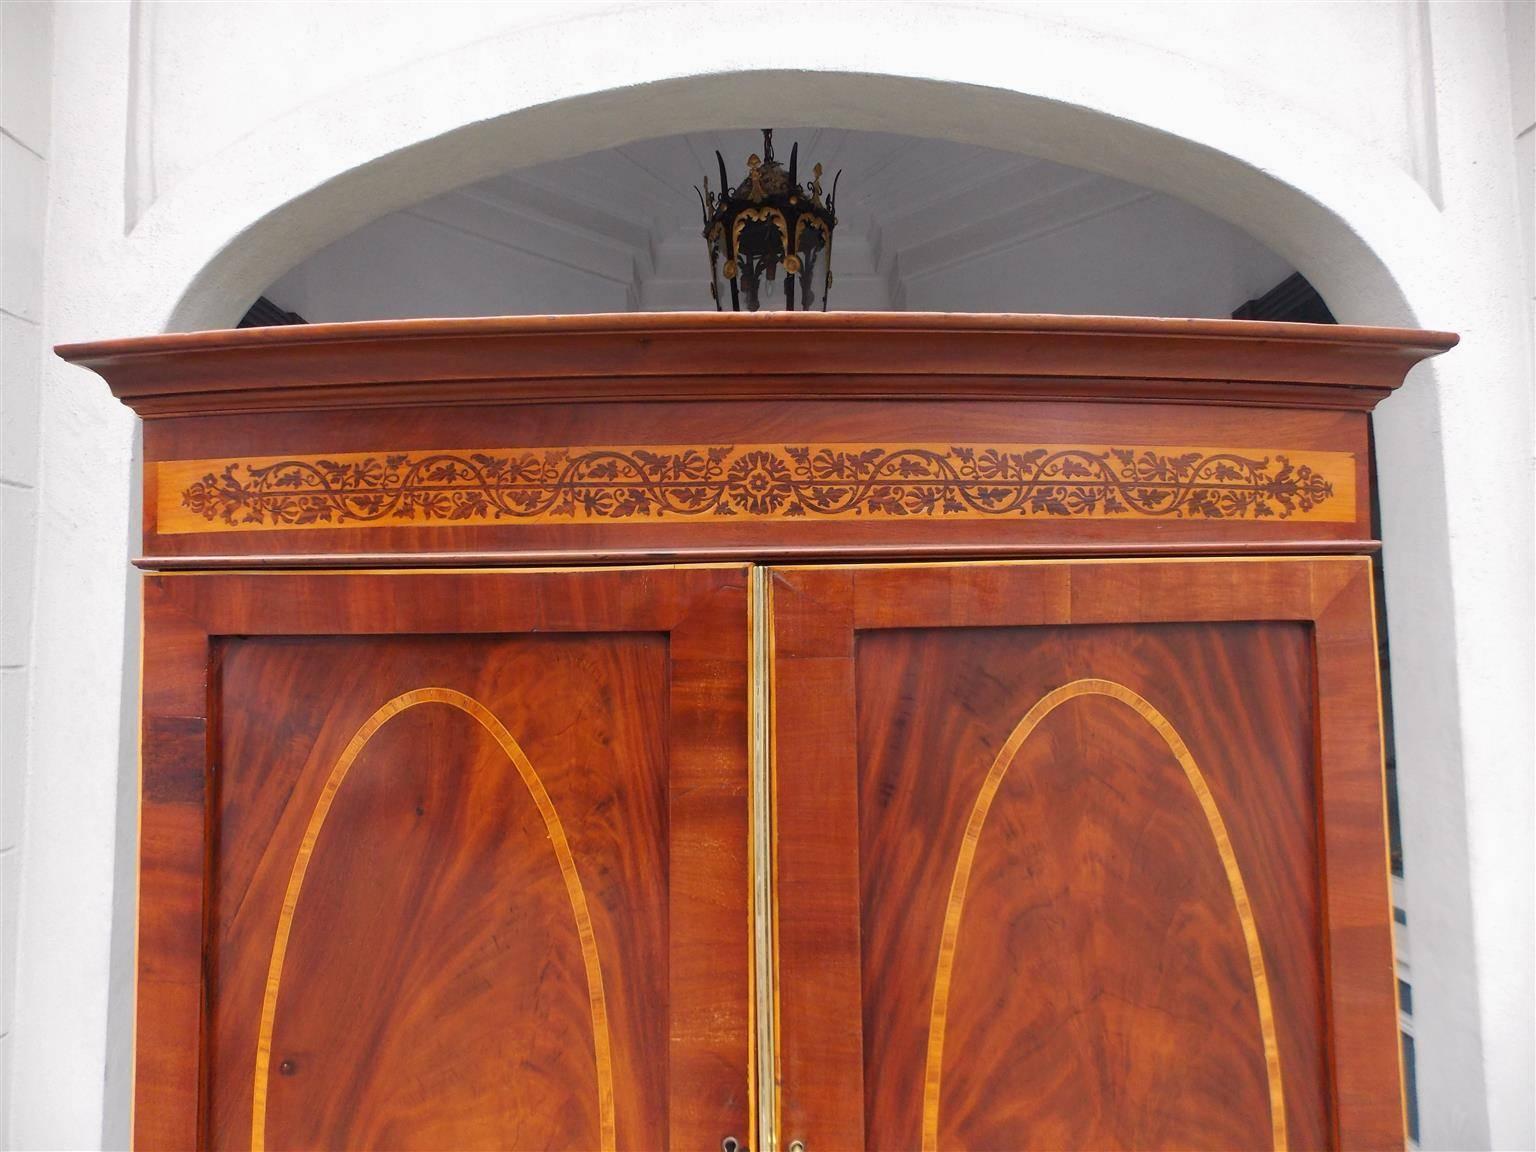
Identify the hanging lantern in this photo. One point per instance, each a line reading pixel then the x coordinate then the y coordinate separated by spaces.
pixel 768 231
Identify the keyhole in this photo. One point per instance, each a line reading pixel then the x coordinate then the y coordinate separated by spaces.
pixel 731 1144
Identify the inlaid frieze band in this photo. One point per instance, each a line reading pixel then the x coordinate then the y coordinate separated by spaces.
pixel 754 482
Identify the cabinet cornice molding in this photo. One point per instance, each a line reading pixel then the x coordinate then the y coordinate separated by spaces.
pixel 681 356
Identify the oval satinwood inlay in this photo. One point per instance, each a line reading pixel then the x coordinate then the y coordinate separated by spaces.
pixel 558 842
pixel 966 861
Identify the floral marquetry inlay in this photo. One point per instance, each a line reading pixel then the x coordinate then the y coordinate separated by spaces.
pixel 725 483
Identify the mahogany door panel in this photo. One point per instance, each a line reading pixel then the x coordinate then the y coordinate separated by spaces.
pixel 477 860
pixel 457 880
pixel 1079 849
pixel 1095 985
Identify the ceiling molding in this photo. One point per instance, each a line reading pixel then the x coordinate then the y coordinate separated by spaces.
pixel 562 208
pixel 617 268
pixel 944 184
pixel 1022 225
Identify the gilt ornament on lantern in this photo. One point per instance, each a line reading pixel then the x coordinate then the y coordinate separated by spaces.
pixel 769 226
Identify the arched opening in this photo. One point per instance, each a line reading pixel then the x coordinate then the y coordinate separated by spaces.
pixel 1300 231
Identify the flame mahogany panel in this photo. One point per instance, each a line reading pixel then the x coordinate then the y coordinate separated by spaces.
pixel 1177 765
pixel 1100 994
pixel 435 944
pixel 495 824
pixel 536 439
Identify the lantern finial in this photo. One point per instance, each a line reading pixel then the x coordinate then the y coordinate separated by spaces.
pixel 766 221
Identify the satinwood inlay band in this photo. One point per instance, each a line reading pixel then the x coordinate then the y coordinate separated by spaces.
pixel 731 483
pixel 556 830
pixel 963 864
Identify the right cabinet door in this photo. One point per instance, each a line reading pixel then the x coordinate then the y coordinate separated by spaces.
pixel 1081 855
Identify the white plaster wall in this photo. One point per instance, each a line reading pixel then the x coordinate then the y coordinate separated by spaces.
pixel 1369 146
pixel 1521 37
pixel 24 115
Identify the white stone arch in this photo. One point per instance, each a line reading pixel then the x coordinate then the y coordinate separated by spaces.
pixel 1291 198
pixel 1371 237
pixel 1043 87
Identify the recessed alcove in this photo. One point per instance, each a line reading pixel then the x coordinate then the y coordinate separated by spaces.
pixel 924 225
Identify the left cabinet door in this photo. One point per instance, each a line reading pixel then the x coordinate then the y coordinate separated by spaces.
pixel 446 860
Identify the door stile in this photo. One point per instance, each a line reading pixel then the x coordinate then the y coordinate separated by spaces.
pixel 816 860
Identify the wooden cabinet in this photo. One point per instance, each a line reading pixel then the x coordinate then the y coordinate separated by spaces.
pixel 861 731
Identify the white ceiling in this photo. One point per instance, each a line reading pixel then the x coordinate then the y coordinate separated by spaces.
pixel 923 224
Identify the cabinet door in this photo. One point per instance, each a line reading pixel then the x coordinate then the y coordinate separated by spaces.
pixel 446 860
pixel 1082 855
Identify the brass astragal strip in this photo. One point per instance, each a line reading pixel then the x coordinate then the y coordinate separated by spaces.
pixel 764 983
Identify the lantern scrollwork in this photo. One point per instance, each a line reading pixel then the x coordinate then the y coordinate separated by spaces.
pixel 768 222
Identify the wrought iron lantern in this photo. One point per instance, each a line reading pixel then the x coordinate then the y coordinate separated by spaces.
pixel 766 224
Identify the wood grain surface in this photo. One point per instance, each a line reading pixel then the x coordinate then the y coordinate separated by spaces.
pixel 1101 994
pixel 1102 991
pixel 436 942
pixel 477 856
